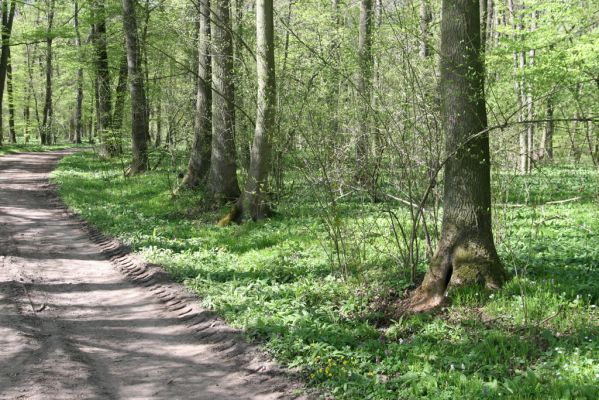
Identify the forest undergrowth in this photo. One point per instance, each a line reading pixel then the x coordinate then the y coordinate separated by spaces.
pixel 537 337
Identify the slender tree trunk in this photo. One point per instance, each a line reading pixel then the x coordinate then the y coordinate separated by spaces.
pixel 121 94
pixel 254 201
pixel 79 100
pixel 547 141
pixel 466 252
pixel 425 34
pixel 223 163
pixel 8 15
pixel 199 160
pixel 47 133
pixel 103 87
pixel 364 91
pixel 158 121
pixel 139 113
pixel 530 126
pixel 11 100
pixel 519 85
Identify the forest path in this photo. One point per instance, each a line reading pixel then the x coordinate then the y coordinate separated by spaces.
pixel 73 326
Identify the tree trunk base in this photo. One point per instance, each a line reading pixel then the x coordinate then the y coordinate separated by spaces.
pixel 469 263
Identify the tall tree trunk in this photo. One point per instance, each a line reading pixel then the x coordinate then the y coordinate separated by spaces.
pixel 466 252
pixel 223 163
pixel 519 84
pixel 11 100
pixel 158 121
pixel 199 160
pixel 425 33
pixel 47 130
pixel 530 126
pixel 121 94
pixel 103 87
pixel 7 21
pixel 364 91
pixel 79 100
pixel 139 113
pixel 254 201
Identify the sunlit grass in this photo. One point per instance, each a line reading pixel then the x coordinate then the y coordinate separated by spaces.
pixel 535 338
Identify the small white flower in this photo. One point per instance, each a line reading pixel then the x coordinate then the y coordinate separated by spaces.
pixel 452 367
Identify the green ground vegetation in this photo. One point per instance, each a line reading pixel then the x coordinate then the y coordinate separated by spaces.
pixel 30 148
pixel 535 338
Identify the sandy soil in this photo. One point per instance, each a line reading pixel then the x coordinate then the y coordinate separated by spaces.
pixel 80 317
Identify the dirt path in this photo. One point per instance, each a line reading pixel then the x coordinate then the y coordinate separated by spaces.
pixel 74 324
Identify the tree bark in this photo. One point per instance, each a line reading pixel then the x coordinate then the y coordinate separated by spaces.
pixel 11 100
pixel 103 87
pixel 425 33
pixel 223 183
pixel 199 159
pixel 46 130
pixel 547 141
pixel 79 99
pixel 364 91
pixel 139 113
pixel 8 15
pixel 466 253
pixel 121 94
pixel 254 201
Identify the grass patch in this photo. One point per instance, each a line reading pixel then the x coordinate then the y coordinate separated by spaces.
pixel 536 338
pixel 8 148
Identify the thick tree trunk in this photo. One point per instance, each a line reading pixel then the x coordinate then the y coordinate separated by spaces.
pixel 11 100
pixel 254 201
pixel 139 112
pixel 7 22
pixel 79 99
pixel 46 132
pixel 199 160
pixel 223 183
pixel 103 87
pixel 364 91
pixel 466 252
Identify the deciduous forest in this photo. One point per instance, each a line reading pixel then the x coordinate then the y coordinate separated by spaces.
pixel 392 199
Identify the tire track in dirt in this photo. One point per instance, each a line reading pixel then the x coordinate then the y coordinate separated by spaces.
pixel 82 317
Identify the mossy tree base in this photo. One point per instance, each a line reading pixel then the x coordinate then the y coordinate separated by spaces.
pixel 463 263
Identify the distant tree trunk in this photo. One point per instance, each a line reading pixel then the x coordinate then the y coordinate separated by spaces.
pixel 11 100
pixel 520 85
pixel 79 101
pixel 199 160
pixel 7 22
pixel 425 33
pixel 364 90
pixel 223 164
pixel 530 126
pixel 547 141
pixel 103 87
pixel 46 132
pixel 158 121
pixel 466 252
pixel 121 94
pixel 139 113
pixel 254 200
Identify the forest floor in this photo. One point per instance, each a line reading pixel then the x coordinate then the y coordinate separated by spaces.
pixel 72 325
pixel 537 337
